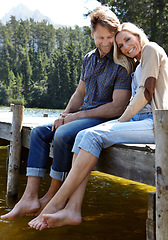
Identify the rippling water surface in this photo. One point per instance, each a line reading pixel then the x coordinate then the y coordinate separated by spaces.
pixel 113 209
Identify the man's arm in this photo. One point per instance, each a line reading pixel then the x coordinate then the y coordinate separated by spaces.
pixel 74 104
pixel 109 110
pixel 76 101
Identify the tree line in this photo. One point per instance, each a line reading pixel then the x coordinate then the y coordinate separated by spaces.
pixel 40 66
pixel 150 15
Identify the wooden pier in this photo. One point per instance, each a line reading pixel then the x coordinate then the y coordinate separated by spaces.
pixel 130 161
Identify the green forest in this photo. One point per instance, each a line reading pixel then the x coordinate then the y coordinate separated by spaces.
pixel 40 66
pixel 150 15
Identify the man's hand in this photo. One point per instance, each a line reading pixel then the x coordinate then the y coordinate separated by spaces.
pixel 63 119
pixel 58 122
pixel 70 117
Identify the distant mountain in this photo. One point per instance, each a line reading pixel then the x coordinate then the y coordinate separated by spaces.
pixel 23 12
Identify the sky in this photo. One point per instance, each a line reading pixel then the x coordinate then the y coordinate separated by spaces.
pixel 65 12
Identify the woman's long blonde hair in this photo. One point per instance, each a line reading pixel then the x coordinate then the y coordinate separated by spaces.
pixel 118 56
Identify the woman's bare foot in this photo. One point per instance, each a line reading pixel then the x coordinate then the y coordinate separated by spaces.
pixel 37 222
pixel 22 208
pixel 61 218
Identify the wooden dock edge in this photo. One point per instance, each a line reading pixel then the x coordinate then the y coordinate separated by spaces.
pixel 130 161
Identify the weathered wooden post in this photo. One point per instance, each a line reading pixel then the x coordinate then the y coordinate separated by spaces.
pixel 161 164
pixel 151 220
pixel 15 151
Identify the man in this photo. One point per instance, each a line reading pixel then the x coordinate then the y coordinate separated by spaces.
pixel 103 92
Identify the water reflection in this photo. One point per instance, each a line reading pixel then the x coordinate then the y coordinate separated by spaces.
pixel 113 208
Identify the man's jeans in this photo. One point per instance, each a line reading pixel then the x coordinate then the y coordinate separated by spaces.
pixel 63 140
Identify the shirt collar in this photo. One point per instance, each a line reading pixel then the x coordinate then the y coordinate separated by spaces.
pixel 108 55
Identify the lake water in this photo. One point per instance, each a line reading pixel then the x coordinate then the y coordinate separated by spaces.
pixel 36 112
pixel 113 209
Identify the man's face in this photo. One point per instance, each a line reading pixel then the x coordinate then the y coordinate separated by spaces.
pixel 103 39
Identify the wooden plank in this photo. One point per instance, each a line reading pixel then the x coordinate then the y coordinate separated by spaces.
pixel 150 230
pixel 28 124
pixel 161 157
pixel 26 137
pixel 5 131
pixel 134 162
pixel 151 218
pixel 152 206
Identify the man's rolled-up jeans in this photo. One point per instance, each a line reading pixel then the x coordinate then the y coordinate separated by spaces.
pixel 63 140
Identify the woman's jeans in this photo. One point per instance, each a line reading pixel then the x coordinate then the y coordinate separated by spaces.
pixel 63 140
pixel 140 129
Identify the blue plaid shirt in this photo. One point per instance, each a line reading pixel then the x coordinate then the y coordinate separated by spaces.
pixel 102 76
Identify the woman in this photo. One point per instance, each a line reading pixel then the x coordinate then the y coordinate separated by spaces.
pixel 136 125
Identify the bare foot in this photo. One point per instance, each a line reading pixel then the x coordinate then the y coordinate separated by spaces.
pixel 23 207
pixel 43 202
pixel 55 185
pixel 61 218
pixel 37 222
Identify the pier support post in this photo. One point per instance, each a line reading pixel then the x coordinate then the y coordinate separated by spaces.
pixel 151 220
pixel 161 164
pixel 15 150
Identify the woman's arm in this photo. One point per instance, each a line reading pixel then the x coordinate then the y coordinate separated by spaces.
pixel 137 103
pixel 150 64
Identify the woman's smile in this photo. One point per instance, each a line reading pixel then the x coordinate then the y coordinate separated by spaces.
pixel 129 44
pixel 131 50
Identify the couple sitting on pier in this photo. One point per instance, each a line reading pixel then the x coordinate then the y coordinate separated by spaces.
pixel 96 117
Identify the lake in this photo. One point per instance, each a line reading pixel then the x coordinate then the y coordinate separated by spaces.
pixel 113 209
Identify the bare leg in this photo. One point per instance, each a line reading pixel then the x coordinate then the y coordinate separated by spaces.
pixel 54 186
pixel 29 201
pixel 71 214
pixel 79 171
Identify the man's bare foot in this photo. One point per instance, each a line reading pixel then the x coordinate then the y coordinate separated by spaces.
pixel 61 218
pixel 43 202
pixel 23 207
pixel 55 185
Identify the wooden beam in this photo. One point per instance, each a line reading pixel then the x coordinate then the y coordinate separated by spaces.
pixel 161 158
pixel 5 131
pixel 151 218
pixel 131 161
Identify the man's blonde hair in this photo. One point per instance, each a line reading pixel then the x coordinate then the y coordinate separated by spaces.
pixel 105 17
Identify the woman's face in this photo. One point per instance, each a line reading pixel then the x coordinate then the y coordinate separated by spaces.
pixel 129 44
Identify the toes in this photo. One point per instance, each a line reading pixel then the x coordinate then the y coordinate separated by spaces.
pixel 32 222
pixel 44 225
pixel 38 224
